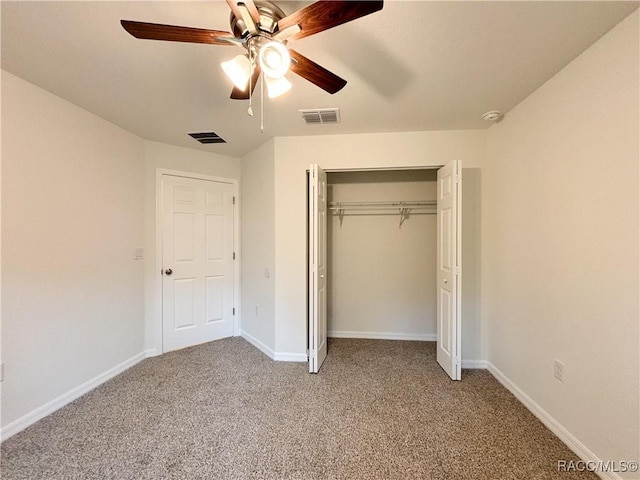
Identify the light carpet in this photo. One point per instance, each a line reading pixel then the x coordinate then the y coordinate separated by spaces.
pixel 377 410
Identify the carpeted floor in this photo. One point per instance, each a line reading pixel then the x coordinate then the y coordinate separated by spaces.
pixel 377 410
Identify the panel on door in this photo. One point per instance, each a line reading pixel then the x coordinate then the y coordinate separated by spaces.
pixel 197 257
pixel 317 268
pixel 448 320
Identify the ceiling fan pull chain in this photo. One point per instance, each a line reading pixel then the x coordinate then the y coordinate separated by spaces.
pixel 262 103
pixel 250 110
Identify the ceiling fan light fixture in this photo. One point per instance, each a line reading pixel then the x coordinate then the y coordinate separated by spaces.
pixel 238 70
pixel 277 86
pixel 274 59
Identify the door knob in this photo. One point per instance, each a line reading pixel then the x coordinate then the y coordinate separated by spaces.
pixel 445 280
pixel 168 271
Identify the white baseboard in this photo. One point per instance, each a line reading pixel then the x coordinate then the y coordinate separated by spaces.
pixel 428 337
pixel 551 423
pixel 277 356
pixel 48 408
pixel 290 357
pixel 475 364
pixel 257 343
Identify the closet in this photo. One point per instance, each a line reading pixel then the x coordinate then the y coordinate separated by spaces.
pixel 381 254
pixel 381 246
pixel 384 258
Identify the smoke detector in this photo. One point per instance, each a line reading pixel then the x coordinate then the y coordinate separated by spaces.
pixel 492 116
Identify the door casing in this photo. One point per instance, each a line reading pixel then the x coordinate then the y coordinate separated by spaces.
pixel 156 342
pixel 459 249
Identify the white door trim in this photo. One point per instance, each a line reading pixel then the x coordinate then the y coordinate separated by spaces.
pixel 459 317
pixel 160 172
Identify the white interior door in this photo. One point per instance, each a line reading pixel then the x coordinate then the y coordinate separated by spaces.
pixel 448 265
pixel 197 254
pixel 317 267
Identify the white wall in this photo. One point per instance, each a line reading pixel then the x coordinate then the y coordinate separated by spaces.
pixel 72 217
pixel 364 151
pixel 258 252
pixel 560 245
pixel 163 156
pixel 474 341
pixel 382 276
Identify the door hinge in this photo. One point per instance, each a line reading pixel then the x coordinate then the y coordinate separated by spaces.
pixel 234 255
pixel 457 270
pixel 233 310
pixel 234 200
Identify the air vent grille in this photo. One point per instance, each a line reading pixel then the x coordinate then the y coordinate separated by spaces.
pixel 208 137
pixel 321 115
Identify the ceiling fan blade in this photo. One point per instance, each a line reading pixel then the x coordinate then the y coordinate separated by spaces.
pixel 172 33
pixel 324 15
pixel 316 74
pixel 237 94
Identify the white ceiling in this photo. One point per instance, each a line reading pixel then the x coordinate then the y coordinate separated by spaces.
pixel 412 66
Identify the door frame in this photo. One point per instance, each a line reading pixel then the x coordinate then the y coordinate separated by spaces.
pixel 459 318
pixel 157 317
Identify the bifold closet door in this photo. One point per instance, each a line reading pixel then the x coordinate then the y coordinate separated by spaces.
pixel 317 267
pixel 448 321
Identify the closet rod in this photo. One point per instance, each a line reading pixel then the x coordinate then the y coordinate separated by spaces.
pixel 381 205
pixel 403 208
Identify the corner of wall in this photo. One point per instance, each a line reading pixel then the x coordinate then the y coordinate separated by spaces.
pixel 258 247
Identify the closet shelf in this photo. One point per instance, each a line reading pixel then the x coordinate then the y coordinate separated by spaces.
pixel 404 209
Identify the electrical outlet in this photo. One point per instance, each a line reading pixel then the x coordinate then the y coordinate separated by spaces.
pixel 558 370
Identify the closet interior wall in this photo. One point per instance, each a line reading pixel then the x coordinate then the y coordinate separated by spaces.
pixel 382 273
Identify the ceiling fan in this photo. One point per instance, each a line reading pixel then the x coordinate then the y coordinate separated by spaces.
pixel 264 30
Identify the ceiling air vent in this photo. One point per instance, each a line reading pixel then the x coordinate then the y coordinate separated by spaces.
pixel 321 115
pixel 208 137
